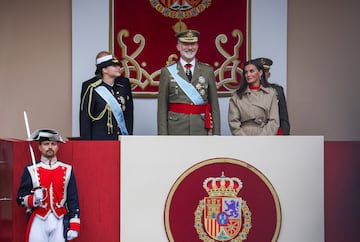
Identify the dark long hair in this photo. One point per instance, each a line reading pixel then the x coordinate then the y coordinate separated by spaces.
pixel 244 84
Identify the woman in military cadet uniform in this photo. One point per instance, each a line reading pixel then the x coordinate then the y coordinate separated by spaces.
pixel 107 114
pixel 253 109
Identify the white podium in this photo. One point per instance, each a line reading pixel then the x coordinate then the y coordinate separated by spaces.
pixel 152 165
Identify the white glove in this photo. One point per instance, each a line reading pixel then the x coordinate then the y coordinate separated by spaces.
pixel 38 196
pixel 72 234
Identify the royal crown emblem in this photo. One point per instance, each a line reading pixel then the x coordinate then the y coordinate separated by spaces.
pixel 223 215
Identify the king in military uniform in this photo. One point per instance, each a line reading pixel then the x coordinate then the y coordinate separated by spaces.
pixel 106 107
pixel 187 100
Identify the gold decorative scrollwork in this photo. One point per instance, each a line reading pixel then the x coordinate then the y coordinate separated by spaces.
pixel 142 78
pixel 231 62
pixel 228 72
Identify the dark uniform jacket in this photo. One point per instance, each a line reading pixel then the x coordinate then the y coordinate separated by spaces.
pixel 172 123
pixel 96 121
pixel 283 112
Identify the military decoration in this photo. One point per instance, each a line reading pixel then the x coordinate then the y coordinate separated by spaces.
pixel 202 79
pixel 201 86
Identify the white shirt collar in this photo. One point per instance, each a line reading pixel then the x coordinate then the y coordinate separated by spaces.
pixel 183 63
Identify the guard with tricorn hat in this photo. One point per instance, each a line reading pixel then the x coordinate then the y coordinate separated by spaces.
pixel 49 193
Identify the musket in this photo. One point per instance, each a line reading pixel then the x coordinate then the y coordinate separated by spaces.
pixel 31 150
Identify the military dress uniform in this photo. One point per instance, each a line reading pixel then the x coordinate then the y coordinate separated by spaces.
pixel 59 181
pixel 177 115
pixel 97 121
pixel 60 205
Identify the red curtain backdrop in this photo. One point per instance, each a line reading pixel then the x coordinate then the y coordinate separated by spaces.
pixel 144 38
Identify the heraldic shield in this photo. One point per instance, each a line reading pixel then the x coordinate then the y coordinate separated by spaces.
pixel 223 215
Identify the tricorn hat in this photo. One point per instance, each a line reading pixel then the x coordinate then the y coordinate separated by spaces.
pixel 46 134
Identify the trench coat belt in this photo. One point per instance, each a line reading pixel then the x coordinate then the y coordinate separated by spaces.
pixel 193 109
pixel 254 121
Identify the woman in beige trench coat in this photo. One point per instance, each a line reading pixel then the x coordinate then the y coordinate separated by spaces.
pixel 253 108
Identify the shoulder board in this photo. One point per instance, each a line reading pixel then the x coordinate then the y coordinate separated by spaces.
pixel 119 85
pixel 97 83
pixel 121 81
pixel 202 63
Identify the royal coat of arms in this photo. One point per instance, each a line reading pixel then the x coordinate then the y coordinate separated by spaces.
pixel 222 216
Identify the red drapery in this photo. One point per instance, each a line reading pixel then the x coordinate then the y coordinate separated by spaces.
pixel 143 37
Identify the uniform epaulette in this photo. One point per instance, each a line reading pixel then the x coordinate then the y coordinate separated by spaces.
pixel 95 84
pixel 205 64
pixel 91 86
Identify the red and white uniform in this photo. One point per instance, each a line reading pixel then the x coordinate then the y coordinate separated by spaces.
pixel 60 198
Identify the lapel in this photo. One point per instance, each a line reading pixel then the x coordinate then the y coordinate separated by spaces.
pixel 181 71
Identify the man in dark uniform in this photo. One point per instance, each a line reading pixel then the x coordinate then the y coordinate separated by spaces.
pixel 187 100
pixel 106 105
pixel 283 112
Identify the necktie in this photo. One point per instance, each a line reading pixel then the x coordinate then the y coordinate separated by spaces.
pixel 188 71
